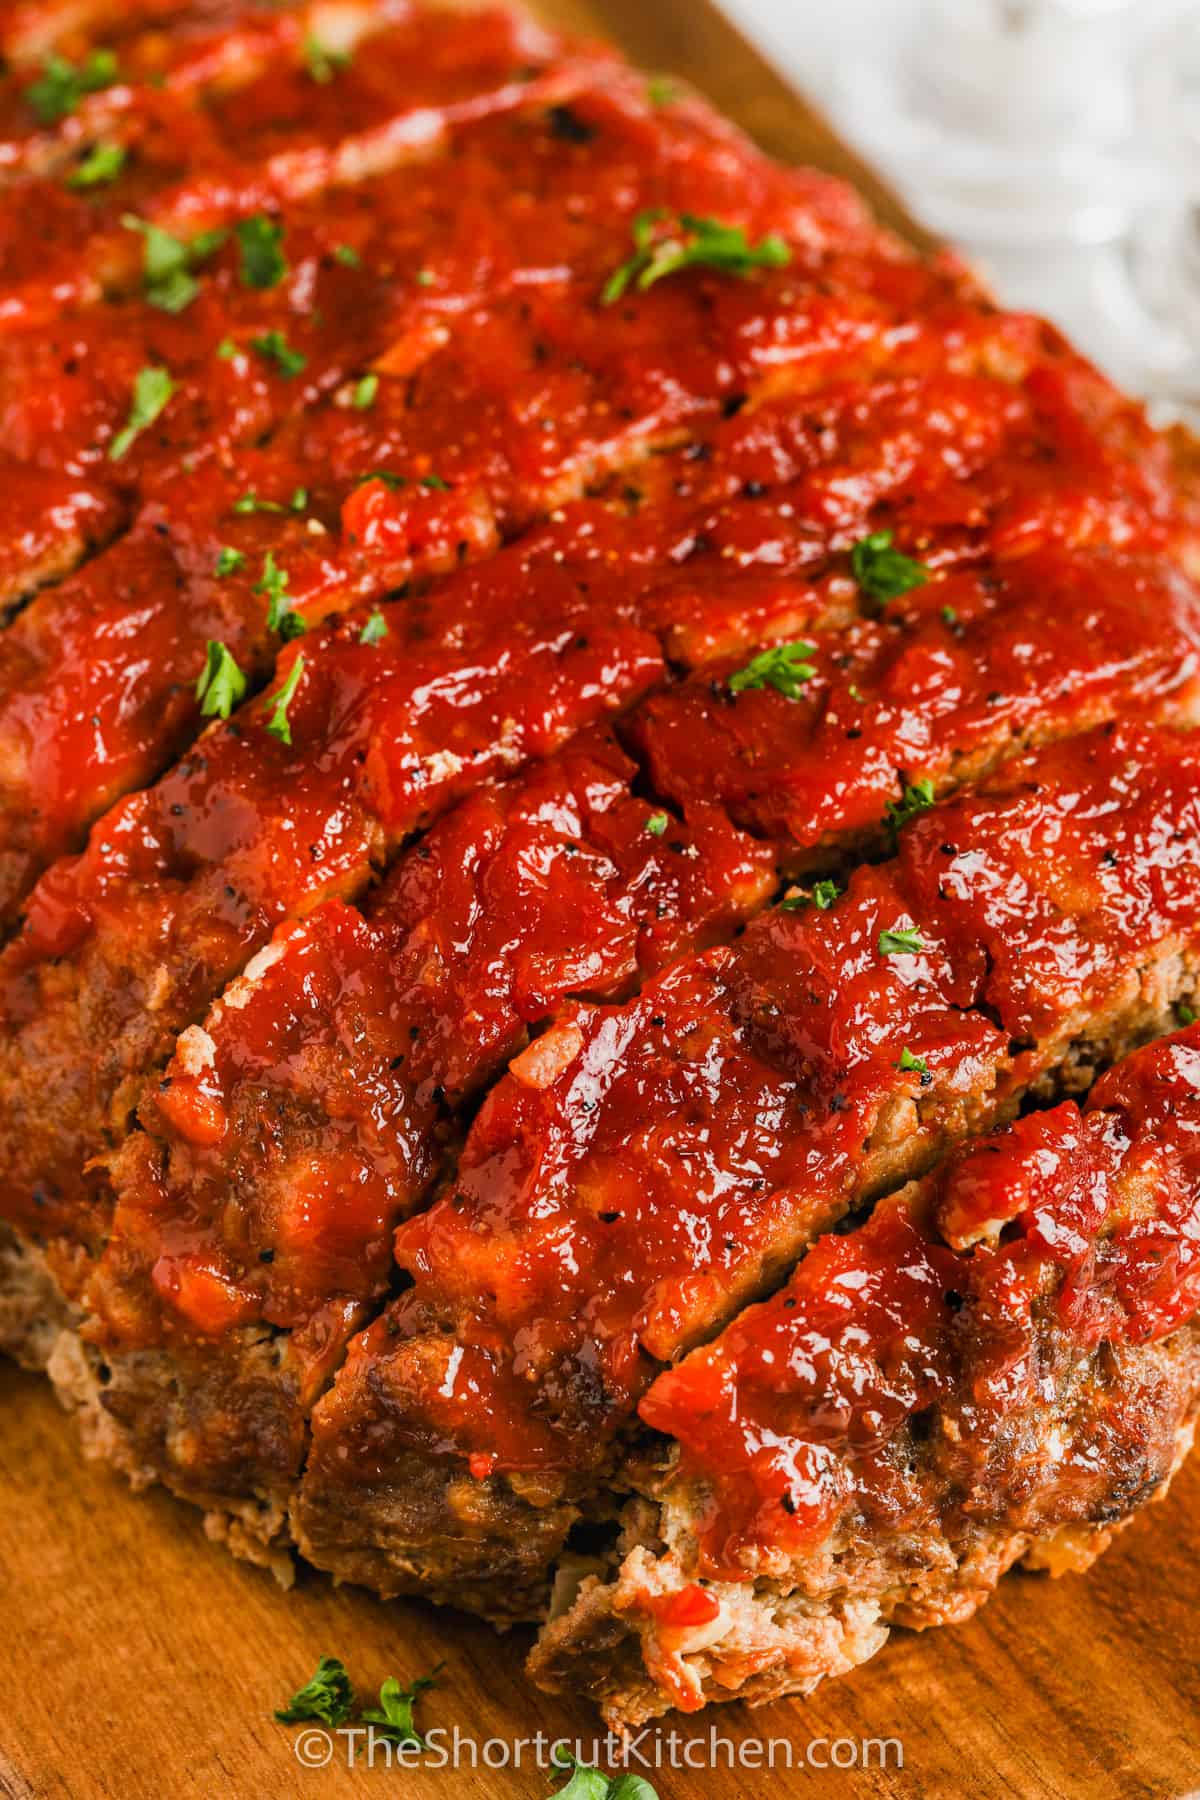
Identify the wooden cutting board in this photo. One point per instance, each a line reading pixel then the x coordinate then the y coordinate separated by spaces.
pixel 138 1661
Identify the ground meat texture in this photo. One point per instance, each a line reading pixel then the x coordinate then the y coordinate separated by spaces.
pixel 317 1104
pixel 616 1201
pixel 1000 1365
pixel 183 883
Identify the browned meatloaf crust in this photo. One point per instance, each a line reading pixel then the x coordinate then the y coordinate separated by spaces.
pixel 573 717
pixel 1002 1364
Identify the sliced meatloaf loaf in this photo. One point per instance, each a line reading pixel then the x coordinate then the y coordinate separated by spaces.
pixel 575 718
pixel 643 1171
pixel 1001 1365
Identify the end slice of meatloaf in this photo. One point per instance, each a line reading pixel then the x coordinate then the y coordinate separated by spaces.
pixel 1002 1364
pixel 644 1171
pixel 253 1211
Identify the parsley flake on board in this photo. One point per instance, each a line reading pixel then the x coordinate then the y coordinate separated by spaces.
pixel 260 242
pixel 783 667
pixel 221 685
pixel 102 164
pixel 883 572
pixel 279 725
pixel 918 797
pixel 152 388
pixel 690 242
pixel 900 943
pixel 169 262
pixel 375 629
pixel 589 1784
pixel 393 1719
pixel 328 1696
pixel 61 85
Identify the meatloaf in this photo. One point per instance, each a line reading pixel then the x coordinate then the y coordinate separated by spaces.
pixel 1000 1365
pixel 595 756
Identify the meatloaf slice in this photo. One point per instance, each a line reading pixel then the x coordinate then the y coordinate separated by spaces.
pixel 1001 1365
pixel 646 1170
pixel 460 437
pixel 296 799
pixel 252 1230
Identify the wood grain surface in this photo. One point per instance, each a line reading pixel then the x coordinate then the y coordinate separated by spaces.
pixel 139 1662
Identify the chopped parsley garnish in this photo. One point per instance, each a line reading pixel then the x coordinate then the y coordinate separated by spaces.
pixel 912 1065
pixel 657 823
pixel 393 1719
pixel 227 349
pixel 917 798
pixel 102 164
pixel 323 63
pixel 152 388
pixel 328 1696
pixel 822 895
pixel 949 616
pixel 221 685
pixel 689 243
pixel 272 346
pixel 169 262
pixel 229 561
pixel 278 724
pixel 1185 1014
pixel 784 667
pixel 425 278
pixel 280 616
pixel 263 262
pixel 390 481
pixel 365 392
pixel 250 503
pixel 882 572
pixel 61 85
pixel 347 255
pixel 900 943
pixel 436 483
pixel 375 629
pixel 590 1784
pixel 661 90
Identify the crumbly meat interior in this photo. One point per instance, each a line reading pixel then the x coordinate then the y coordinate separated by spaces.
pixel 1001 1365
pixel 533 785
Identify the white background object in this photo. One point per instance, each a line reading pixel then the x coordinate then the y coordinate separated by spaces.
pixel 1056 141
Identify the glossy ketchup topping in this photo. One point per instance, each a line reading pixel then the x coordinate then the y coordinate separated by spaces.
pixel 659 1162
pixel 352 1039
pixel 1069 1231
